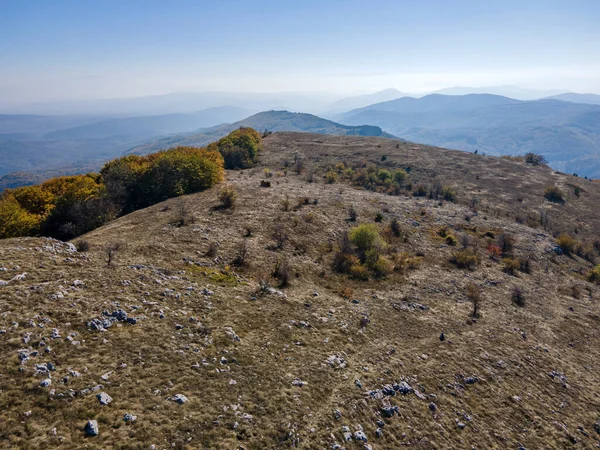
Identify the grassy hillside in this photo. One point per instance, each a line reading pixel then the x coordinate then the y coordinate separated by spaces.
pixel 243 313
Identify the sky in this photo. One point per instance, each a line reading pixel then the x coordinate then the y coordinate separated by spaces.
pixel 75 49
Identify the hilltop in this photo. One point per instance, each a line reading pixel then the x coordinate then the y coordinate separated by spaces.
pixel 237 327
pixel 268 120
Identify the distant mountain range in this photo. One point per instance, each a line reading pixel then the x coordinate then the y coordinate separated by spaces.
pixel 268 120
pixel 565 127
pixel 145 127
pixel 515 92
pixel 567 133
pixel 592 99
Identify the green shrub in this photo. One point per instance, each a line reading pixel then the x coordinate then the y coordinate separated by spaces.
pixel 364 237
pixel 568 244
pixel 465 258
pixel 382 267
pixel 239 149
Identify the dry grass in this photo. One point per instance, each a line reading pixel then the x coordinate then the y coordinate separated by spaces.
pixel 160 276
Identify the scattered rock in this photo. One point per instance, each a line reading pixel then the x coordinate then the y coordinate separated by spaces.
pixel 471 380
pixel 104 398
pixel 179 398
pixel 389 411
pixel 360 436
pixel 45 383
pixel 91 428
pixel 432 407
pixel 129 418
pixel 442 337
pixel 298 382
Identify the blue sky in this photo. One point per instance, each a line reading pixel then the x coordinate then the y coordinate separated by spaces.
pixel 65 49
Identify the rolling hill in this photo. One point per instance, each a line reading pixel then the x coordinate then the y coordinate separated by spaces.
pixel 566 133
pixel 268 120
pixel 237 328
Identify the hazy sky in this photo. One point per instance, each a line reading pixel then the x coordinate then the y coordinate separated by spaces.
pixel 73 49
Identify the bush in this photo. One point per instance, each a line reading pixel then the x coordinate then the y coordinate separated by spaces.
pixel 506 243
pixel 395 227
pixel 352 214
pixel 359 272
pixel 282 272
pixel 364 237
pixel 331 177
pixel 567 243
pixel 239 149
pixel 465 259
pixel 420 191
pixel 448 194
pixel 227 197
pixel 451 240
pixel 82 246
pixel 379 217
pixel 510 266
pixel 404 262
pixel 474 295
pixel 382 267
pixel 594 275
pixel 534 159
pixel 554 194
pixel 518 297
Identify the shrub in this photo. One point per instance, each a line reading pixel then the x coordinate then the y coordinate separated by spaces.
pixel 474 295
pixel 420 191
pixel 518 297
pixel 554 194
pixel 227 197
pixel 534 159
pixel 242 252
pixel 15 220
pixel 594 275
pixel 111 251
pixel 359 272
pixel 524 265
pixel 343 262
pixel 506 243
pixel 382 267
pixel 212 249
pixel 451 240
pixel 404 262
pixel 331 177
pixel 379 217
pixel 279 235
pixel 82 246
pixel 395 227
pixel 448 194
pixel 239 149
pixel 465 258
pixel 364 237
pixel 510 266
pixel 352 214
pixel 567 243
pixel 282 272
